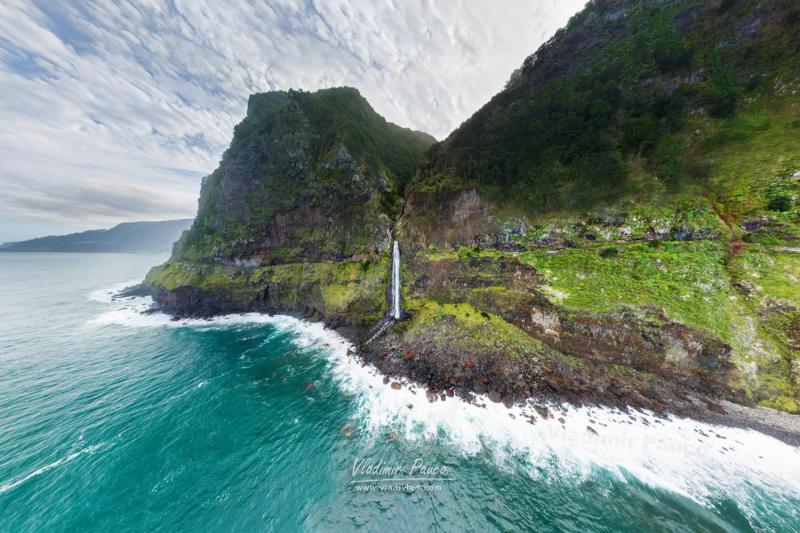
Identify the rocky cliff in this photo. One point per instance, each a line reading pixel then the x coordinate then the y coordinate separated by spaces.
pixel 619 224
pixel 299 215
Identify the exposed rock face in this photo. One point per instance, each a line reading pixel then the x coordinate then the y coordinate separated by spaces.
pixel 640 338
pixel 441 365
pixel 443 219
pixel 306 179
pixel 341 293
pixel 298 213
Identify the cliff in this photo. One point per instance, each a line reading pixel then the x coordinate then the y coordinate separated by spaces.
pixel 618 225
pixel 300 213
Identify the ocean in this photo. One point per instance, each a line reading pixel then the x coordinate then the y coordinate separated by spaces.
pixel 112 419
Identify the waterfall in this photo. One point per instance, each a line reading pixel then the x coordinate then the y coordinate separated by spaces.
pixel 397 311
pixel 393 297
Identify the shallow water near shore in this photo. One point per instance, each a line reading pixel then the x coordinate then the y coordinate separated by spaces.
pixel 114 419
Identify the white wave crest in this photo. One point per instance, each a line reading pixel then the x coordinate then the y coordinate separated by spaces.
pixel 108 294
pixel 684 456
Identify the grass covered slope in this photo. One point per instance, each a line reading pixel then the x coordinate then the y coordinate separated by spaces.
pixel 617 93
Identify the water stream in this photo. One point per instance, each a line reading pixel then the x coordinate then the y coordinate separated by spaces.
pixel 397 310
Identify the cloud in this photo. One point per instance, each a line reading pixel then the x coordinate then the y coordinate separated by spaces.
pixel 94 201
pixel 121 107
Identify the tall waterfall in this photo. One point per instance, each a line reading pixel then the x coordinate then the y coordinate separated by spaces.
pixel 397 311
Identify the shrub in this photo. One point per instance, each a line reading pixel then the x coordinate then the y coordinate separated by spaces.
pixel 780 203
pixel 725 5
pixel 608 251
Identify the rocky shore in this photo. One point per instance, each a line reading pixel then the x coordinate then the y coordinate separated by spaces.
pixel 620 237
pixel 449 375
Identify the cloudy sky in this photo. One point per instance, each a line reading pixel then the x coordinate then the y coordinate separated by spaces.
pixel 114 111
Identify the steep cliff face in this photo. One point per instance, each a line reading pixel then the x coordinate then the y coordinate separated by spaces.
pixel 619 224
pixel 308 177
pixel 299 214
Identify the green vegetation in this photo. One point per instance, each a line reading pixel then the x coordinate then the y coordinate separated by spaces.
pixel 697 283
pixel 770 279
pixel 608 251
pixel 687 280
pixel 462 327
pixel 323 167
pixel 578 126
pixel 632 173
pixel 353 289
pixel 343 116
pixel 652 171
pixel 784 403
pixel 339 116
pixel 774 274
pixel 752 158
pixel 461 253
pixel 780 203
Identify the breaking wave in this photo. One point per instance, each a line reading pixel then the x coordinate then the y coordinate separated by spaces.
pixel 697 460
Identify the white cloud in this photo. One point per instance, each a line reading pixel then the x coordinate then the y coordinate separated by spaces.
pixel 110 112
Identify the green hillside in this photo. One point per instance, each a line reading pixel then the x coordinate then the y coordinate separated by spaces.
pixel 318 175
pixel 631 99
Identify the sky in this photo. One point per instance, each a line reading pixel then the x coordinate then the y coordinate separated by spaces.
pixel 114 112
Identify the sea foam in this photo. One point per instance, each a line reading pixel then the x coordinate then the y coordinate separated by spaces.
pixel 697 460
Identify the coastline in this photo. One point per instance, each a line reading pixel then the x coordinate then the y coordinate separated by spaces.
pixel 512 382
pixel 393 361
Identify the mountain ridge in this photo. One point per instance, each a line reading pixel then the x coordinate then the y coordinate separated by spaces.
pixel 623 81
pixel 146 236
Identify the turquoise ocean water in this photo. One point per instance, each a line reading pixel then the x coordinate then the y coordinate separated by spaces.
pixel 114 420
